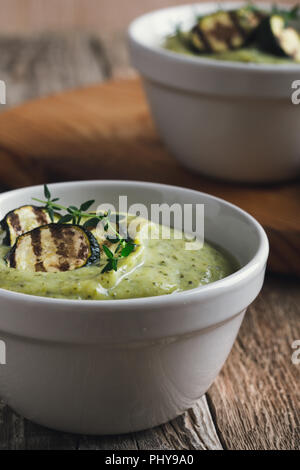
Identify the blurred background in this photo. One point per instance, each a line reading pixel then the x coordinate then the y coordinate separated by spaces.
pixel 97 15
pixel 48 46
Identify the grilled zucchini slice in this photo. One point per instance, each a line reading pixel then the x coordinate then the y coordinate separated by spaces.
pixel 247 20
pixel 217 33
pixel 54 248
pixel 278 38
pixel 22 220
pixel 225 30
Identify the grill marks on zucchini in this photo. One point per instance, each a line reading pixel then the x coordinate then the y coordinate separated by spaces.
pixel 224 30
pixel 276 33
pixel 54 248
pixel 22 220
pixel 247 20
pixel 199 40
pixel 36 243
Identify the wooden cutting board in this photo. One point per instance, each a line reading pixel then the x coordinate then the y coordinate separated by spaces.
pixel 106 132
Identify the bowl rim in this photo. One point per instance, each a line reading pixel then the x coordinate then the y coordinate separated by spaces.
pixel 247 272
pixel 198 62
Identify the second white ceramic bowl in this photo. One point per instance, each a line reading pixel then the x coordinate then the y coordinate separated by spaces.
pixel 233 121
pixel 115 366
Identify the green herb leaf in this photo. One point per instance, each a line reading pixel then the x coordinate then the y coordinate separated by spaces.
pixel 127 250
pixel 113 240
pixel 47 192
pixel 295 10
pixel 107 251
pixel 51 213
pixel 114 263
pixel 91 223
pixel 288 15
pixel 86 205
pixel 65 219
pixel 106 268
pixel 111 265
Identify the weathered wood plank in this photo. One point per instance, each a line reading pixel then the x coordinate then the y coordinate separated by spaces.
pixel 115 46
pixel 11 429
pixel 17 433
pixel 194 430
pixel 40 65
pixel 256 398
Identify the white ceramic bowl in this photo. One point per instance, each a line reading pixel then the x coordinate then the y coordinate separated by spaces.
pixel 228 120
pixel 114 366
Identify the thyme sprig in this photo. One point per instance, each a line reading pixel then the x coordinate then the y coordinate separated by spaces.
pixel 288 15
pixel 76 214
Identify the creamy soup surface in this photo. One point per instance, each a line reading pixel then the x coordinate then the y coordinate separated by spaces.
pixel 156 267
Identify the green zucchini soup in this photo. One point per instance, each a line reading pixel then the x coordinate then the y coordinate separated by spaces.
pixel 247 34
pixel 84 255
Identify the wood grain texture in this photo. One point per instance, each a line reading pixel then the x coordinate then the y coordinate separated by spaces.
pixel 106 132
pixel 43 64
pixel 257 391
pixel 195 430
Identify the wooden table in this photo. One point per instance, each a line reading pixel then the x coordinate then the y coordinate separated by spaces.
pixel 253 404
